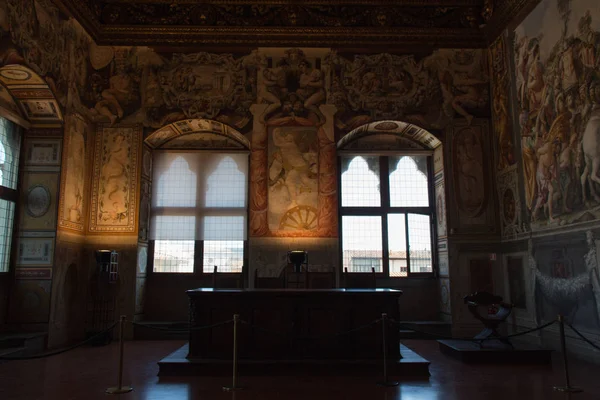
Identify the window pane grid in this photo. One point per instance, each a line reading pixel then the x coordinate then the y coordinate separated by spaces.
pixel 360 182
pixel 419 238
pixel 403 199
pixel 174 256
pixel 397 245
pixel 199 198
pixel 10 144
pixel 409 185
pixel 226 255
pixel 7 210
pixel 362 243
pixel 175 182
pixel 226 185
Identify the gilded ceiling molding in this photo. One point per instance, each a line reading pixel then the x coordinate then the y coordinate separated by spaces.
pixel 312 23
pixel 505 13
pixel 397 26
pixel 407 38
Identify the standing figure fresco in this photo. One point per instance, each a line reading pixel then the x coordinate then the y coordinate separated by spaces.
pixel 559 113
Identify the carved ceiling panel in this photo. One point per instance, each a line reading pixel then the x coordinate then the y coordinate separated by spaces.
pixel 335 23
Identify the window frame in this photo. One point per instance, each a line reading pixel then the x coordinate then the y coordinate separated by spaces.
pixel 198 268
pixel 12 195
pixel 386 209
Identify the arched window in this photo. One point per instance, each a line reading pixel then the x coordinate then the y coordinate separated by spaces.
pixel 386 214
pixel 10 145
pixel 199 211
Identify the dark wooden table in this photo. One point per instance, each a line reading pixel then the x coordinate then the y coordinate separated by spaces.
pixel 293 324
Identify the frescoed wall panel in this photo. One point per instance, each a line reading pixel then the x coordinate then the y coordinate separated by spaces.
pixel 501 116
pixel 115 179
pixel 558 100
pixel 74 187
pixel 471 208
pixel 42 152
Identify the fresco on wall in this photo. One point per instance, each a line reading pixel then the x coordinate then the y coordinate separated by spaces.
pixel 293 183
pixel 500 82
pixel 137 85
pixel 115 181
pixel 200 134
pixel 35 33
pixel 566 280
pixel 558 87
pixel 7 102
pixel 73 191
pixel 468 150
pixel 428 92
pixel 42 152
pixel 39 193
pixel 293 178
pixel 510 202
pixel 145 202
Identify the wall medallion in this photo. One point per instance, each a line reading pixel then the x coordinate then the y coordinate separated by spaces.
pixel 38 201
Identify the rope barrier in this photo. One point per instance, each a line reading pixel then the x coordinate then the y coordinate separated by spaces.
pixel 470 339
pixel 158 328
pixel 176 330
pixel 56 352
pixel 588 341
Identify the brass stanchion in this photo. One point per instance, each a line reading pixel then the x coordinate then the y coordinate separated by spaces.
pixel 120 388
pixel 234 386
pixel 385 381
pixel 563 344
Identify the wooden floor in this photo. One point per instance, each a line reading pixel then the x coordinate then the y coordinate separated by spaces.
pixel 86 372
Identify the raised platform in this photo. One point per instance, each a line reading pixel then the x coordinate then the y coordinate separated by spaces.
pixel 494 352
pixel 410 365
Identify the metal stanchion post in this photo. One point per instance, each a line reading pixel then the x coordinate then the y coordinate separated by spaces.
pixel 234 386
pixel 563 345
pixel 385 377
pixel 120 388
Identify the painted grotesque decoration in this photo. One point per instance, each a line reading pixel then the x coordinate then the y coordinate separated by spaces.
pixel 500 104
pixel 558 87
pixel 73 199
pixel 429 92
pixel 293 178
pixel 293 182
pixel 114 198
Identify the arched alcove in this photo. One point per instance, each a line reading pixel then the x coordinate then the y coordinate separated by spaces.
pixel 411 161
pixel 197 134
pixel 30 92
pixel 389 135
pixel 197 174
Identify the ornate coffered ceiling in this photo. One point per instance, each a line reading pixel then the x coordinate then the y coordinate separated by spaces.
pixel 368 24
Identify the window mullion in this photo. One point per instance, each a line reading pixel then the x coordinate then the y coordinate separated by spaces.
pixel 408 271
pixel 384 183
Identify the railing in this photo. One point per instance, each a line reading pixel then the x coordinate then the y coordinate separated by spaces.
pixel 385 322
